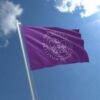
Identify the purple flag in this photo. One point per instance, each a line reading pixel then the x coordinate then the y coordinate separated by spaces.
pixel 50 46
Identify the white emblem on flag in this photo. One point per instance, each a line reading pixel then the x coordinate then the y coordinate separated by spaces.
pixel 56 46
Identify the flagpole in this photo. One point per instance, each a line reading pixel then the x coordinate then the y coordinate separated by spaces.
pixel 25 61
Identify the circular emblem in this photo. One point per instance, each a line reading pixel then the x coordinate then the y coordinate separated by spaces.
pixel 56 46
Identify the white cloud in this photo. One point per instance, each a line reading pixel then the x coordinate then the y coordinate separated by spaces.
pixel 3 41
pixel 8 15
pixel 89 7
pixel 94 22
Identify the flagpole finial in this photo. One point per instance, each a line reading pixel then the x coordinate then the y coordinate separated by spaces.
pixel 18 22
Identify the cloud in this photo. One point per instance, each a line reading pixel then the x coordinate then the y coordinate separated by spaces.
pixel 93 22
pixel 88 7
pixel 3 41
pixel 9 12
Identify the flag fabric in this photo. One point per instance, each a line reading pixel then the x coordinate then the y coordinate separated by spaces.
pixel 51 46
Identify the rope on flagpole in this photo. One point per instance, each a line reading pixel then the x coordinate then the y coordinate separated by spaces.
pixel 25 61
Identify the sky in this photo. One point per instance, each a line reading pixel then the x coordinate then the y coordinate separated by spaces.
pixel 65 82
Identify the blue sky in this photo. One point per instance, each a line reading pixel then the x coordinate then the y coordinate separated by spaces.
pixel 65 82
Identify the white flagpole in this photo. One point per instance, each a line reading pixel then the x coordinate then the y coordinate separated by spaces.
pixel 25 61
